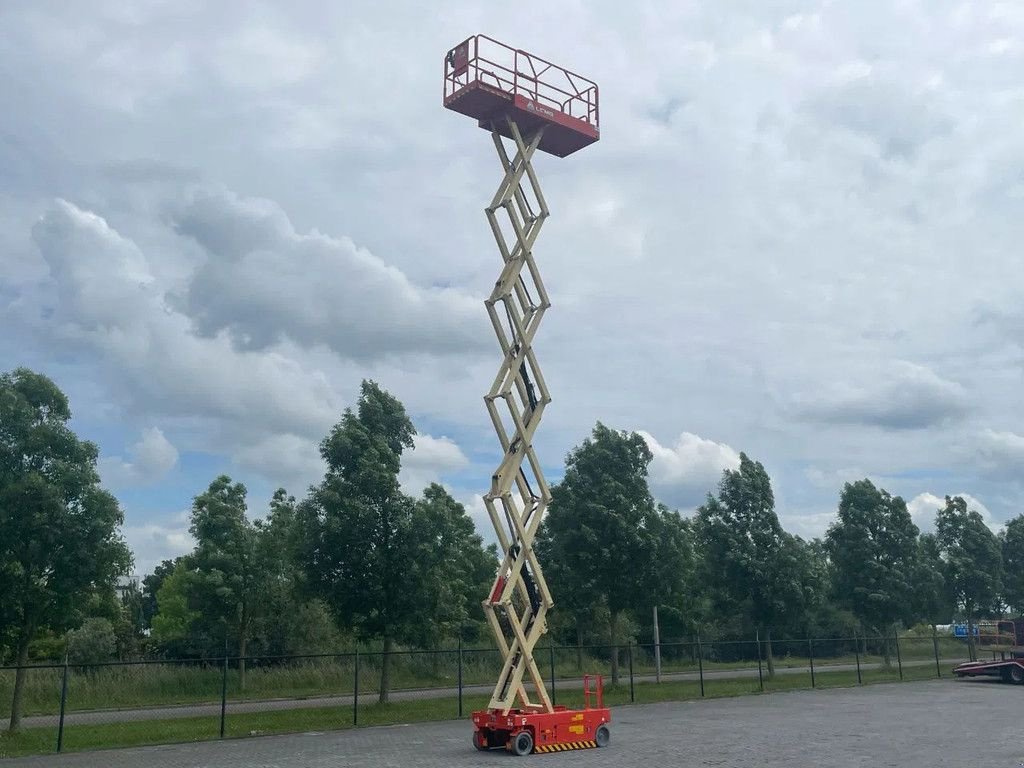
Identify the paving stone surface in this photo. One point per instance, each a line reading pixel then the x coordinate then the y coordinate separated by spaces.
pixel 927 724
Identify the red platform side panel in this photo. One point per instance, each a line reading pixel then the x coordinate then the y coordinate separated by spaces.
pixel 491 82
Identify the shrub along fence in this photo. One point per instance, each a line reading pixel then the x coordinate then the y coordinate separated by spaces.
pixel 70 707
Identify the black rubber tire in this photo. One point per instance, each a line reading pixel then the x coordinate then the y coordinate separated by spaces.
pixel 1017 674
pixel 522 743
pixel 602 735
pixel 479 737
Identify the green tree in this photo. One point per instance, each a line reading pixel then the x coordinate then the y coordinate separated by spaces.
pixel 671 584
pixel 172 623
pixel 972 561
pixel 59 538
pixel 228 578
pixel 129 621
pixel 930 597
pixel 151 584
pixel 1012 540
pixel 753 567
pixel 93 643
pixel 453 563
pixel 603 526
pixel 873 548
pixel 359 544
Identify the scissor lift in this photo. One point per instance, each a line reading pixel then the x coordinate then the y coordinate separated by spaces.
pixel 538 106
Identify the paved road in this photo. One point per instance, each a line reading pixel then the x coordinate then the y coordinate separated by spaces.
pixel 271 705
pixel 917 725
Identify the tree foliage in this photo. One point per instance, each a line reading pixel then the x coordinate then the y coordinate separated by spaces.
pixel 93 643
pixel 359 543
pixel 608 539
pixel 751 566
pixel 972 560
pixel 454 565
pixel 1012 541
pixel 59 540
pixel 874 549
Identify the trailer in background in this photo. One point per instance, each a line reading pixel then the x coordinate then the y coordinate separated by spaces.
pixel 1005 638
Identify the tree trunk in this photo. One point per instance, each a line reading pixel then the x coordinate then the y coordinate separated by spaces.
pixel 769 656
pixel 243 644
pixel 19 677
pixel 385 672
pixel 887 650
pixel 613 627
pixel 579 645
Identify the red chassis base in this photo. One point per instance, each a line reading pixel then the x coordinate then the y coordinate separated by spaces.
pixel 523 732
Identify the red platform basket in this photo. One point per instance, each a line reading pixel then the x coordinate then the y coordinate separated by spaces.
pixel 490 81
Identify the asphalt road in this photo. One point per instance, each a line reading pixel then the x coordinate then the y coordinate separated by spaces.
pixel 927 724
pixel 94 717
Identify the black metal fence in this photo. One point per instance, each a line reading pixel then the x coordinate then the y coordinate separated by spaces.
pixel 164 701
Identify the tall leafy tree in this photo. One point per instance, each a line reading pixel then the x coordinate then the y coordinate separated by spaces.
pixel 972 561
pixel 59 539
pixel 603 525
pixel 753 566
pixel 172 623
pixel 359 543
pixel 453 562
pixel 671 577
pixel 1012 540
pixel 151 584
pixel 228 581
pixel 873 548
pixel 930 597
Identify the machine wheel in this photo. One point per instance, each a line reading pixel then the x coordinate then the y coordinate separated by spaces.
pixel 522 743
pixel 480 740
pixel 602 736
pixel 1017 674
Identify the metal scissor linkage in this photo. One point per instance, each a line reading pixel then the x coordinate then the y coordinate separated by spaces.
pixel 519 598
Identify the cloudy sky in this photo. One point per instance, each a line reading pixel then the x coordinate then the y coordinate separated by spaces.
pixel 798 237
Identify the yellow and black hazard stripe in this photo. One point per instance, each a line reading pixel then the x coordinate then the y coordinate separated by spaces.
pixel 566 746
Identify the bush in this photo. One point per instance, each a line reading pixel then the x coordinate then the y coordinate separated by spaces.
pixel 94 643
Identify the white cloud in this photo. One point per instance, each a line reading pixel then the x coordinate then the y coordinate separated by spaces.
pixel 429 459
pixel 788 200
pixel 151 543
pixel 108 305
pixel 1001 453
pixel 263 281
pixel 904 396
pixel 288 460
pixel 681 475
pixel 152 457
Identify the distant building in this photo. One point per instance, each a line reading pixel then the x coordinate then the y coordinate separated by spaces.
pixel 126 583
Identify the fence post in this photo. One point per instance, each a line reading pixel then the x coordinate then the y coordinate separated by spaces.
pixel 224 691
pixel 810 649
pixel 700 664
pixel 856 650
pixel 760 671
pixel 63 704
pixel 551 658
pixel 899 657
pixel 355 690
pixel 657 647
pixel 460 675
pixel 935 645
pixel 629 653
